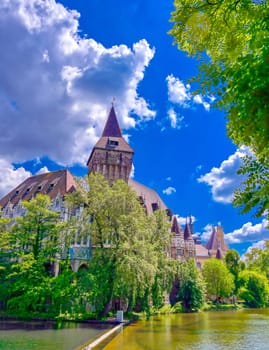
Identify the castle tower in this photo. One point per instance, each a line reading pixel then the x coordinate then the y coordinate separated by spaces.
pixel 216 241
pixel 178 245
pixel 111 156
pixel 189 251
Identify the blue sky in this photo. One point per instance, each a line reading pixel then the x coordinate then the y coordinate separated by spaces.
pixel 61 65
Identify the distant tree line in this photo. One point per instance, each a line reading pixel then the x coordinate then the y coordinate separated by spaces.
pixel 130 265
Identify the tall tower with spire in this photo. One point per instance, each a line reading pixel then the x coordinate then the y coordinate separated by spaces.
pixel 111 156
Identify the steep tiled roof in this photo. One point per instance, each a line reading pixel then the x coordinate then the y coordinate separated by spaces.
pixel 112 128
pixel 51 184
pixel 149 197
pixel 216 240
pixel 201 251
pixel 111 139
pixel 113 143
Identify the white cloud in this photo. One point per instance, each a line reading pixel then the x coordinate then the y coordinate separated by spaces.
pixel 224 180
pixel 10 177
pixel 200 100
pixel 56 87
pixel 249 233
pixel 43 170
pixel 183 219
pixel 169 190
pixel 132 174
pixel 180 94
pixel 176 120
pixel 207 231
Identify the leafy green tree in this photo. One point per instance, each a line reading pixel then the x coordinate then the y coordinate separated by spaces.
pixel 234 265
pixel 257 259
pixel 254 288
pixel 33 245
pixel 36 231
pixel 5 255
pixel 219 281
pixel 255 188
pixel 230 38
pixel 161 242
pixel 129 247
pixel 191 286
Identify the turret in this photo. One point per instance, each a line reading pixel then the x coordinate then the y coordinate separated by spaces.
pixel 111 156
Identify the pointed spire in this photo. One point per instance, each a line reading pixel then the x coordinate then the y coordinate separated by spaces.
pixel 112 128
pixel 175 226
pixel 212 243
pixel 187 231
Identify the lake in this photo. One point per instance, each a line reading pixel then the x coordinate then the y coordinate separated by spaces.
pixel 236 330
pixel 42 335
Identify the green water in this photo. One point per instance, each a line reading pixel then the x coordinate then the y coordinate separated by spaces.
pixel 42 336
pixel 235 330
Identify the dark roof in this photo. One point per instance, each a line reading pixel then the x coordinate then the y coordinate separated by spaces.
pixel 112 126
pixel 219 254
pixel 111 139
pixel 149 198
pixel 187 232
pixel 216 240
pixel 213 243
pixel 51 184
pixel 175 226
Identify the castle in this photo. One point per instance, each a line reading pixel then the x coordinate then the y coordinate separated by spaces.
pixel 112 156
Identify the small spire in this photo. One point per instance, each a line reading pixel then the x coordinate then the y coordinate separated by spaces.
pixel 112 128
pixel 175 226
pixel 187 231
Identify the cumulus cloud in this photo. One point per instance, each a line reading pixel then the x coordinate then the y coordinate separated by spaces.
pixel 169 190
pixel 10 177
pixel 224 180
pixel 249 232
pixel 43 170
pixel 176 120
pixel 56 87
pixel 183 219
pixel 180 94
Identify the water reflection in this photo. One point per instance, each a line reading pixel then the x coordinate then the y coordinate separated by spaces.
pixel 16 335
pixel 244 329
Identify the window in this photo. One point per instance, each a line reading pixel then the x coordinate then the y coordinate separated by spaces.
pixel 155 206
pixel 113 143
pixel 50 188
pixel 27 191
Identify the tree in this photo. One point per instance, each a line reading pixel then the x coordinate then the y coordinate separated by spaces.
pixel 129 247
pixel 191 286
pixel 33 245
pixel 219 281
pixel 257 259
pixel 234 265
pixel 231 40
pixel 5 255
pixel 36 231
pixel 254 288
